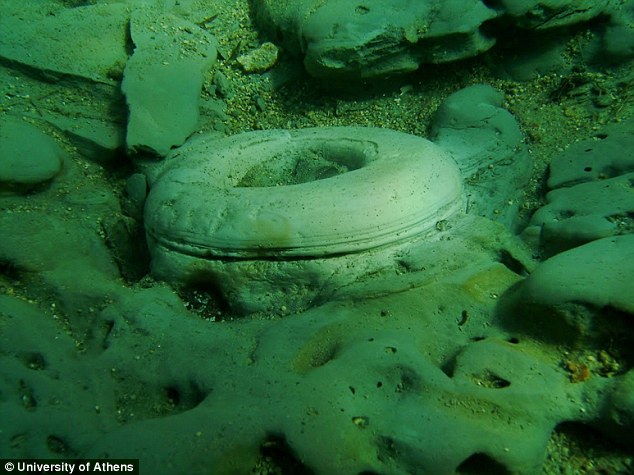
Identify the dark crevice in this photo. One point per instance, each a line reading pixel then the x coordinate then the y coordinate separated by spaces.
pixel 59 446
pixel 204 297
pixel 280 457
pixel 387 450
pixel 27 396
pixel 481 464
pixel 488 379
pixel 125 238
pixel 106 329
pixel 493 4
pixel 9 270
pixel 34 361
pixel 185 398
pixel 449 365
pixel 511 263
pixel 409 380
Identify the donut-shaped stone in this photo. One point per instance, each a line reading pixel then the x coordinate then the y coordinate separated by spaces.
pixel 300 195
pixel 309 192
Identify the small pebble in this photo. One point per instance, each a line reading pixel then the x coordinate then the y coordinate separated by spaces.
pixel 259 60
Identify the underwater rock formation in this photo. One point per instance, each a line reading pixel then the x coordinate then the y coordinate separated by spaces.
pixel 591 192
pixel 581 297
pixel 566 295
pixel 378 38
pixel 372 39
pixel 486 142
pixel 295 215
pixel 163 78
pixel 402 326
pixel 65 43
pixel 28 157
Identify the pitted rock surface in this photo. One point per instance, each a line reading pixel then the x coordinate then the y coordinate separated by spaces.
pixel 457 353
pixel 592 192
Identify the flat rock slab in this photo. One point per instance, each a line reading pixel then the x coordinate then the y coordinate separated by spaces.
pixel 28 157
pixel 97 138
pixel 88 42
pixel 163 79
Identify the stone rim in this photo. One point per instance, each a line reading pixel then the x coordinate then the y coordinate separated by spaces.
pixel 404 187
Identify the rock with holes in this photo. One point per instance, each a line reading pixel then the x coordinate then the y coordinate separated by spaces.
pixel 608 154
pixel 362 386
pixel 44 413
pixel 592 192
pixel 585 212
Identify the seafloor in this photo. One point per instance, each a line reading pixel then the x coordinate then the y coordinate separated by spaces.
pixel 100 358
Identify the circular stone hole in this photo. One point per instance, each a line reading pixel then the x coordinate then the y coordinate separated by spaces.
pixel 303 165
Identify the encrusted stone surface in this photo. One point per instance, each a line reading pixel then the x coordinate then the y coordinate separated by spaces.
pixel 592 192
pixel 274 214
pixel 379 38
pixel 260 59
pixel 486 142
pixel 462 355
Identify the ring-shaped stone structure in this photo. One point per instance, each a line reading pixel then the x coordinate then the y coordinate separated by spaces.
pixel 259 211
